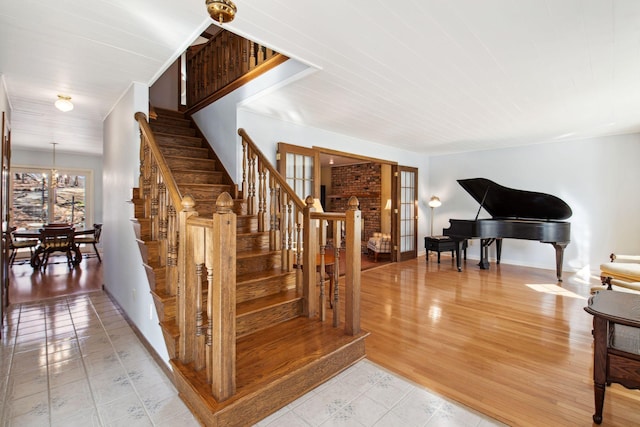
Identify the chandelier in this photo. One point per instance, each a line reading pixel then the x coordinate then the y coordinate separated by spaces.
pixel 221 10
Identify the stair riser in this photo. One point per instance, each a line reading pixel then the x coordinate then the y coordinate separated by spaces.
pixel 175 130
pixel 156 277
pixel 149 252
pixel 210 191
pixel 138 209
pixel 163 112
pixel 191 164
pixel 185 151
pixel 171 342
pixel 199 177
pixel 250 242
pixel 142 229
pixel 253 322
pixel 246 224
pixel 177 140
pixel 251 290
pixel 257 264
pixel 172 121
pixel 165 307
pixel 240 208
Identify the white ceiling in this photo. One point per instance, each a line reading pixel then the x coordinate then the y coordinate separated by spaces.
pixel 427 75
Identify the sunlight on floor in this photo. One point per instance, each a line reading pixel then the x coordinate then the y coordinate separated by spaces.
pixel 554 289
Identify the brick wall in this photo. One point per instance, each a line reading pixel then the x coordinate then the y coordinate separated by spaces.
pixel 363 181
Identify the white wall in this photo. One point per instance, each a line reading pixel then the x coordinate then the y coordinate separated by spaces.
pixel 25 158
pixel 218 120
pixel 124 274
pixel 598 178
pixel 4 100
pixel 165 91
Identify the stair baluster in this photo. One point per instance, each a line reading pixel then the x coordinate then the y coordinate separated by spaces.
pixel 192 247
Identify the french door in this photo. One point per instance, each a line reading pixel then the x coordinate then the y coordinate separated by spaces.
pixel 300 166
pixel 406 219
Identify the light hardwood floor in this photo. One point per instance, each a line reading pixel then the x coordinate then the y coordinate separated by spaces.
pixel 509 341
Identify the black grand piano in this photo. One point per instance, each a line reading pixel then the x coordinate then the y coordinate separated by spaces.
pixel 516 214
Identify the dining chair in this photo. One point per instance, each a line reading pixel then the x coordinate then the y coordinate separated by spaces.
pixel 56 239
pixel 15 245
pixel 91 237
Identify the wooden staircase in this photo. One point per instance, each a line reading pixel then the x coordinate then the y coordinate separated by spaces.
pixel 280 353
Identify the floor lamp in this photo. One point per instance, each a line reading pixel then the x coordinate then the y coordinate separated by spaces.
pixel 433 203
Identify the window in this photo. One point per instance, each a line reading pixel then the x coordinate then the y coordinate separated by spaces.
pixel 36 202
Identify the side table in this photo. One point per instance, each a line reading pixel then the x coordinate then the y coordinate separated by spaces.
pixel 616 339
pixel 445 243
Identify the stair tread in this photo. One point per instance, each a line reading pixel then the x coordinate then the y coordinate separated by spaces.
pixel 299 336
pixel 188 158
pixel 205 185
pixel 257 304
pixel 172 135
pixel 210 186
pixel 261 275
pixel 260 360
pixel 255 253
pixel 195 169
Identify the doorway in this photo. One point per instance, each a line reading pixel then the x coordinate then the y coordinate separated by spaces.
pixel 339 175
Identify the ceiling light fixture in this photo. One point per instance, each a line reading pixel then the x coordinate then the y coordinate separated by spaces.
pixel 64 103
pixel 221 10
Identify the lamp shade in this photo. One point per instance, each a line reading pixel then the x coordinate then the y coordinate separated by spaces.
pixel 435 202
pixel 64 103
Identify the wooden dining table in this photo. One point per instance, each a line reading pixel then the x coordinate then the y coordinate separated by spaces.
pixel 35 234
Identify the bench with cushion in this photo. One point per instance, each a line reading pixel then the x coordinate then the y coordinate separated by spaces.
pixel 379 243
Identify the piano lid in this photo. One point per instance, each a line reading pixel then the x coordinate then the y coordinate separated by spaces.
pixel 504 202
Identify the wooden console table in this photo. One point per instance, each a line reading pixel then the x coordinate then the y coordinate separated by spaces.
pixel 616 336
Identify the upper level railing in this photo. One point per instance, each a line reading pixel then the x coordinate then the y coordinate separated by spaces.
pixel 223 64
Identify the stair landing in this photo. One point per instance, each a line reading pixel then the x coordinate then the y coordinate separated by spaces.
pixel 274 367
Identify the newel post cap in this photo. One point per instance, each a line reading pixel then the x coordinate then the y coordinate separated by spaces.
pixel 224 203
pixel 188 202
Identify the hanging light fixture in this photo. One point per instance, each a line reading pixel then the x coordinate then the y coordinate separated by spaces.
pixel 221 10
pixel 54 172
pixel 64 103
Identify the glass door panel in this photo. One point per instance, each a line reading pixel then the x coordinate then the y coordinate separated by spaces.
pixel 300 167
pixel 407 189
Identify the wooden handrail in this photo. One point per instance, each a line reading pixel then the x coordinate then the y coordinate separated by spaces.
pixel 272 171
pixel 146 131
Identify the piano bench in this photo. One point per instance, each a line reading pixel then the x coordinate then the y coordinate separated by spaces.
pixel 444 243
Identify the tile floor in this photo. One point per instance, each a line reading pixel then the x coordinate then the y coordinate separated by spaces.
pixel 74 361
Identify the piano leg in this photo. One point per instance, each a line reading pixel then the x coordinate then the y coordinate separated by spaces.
pixel 484 253
pixel 498 250
pixel 559 247
pixel 458 255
